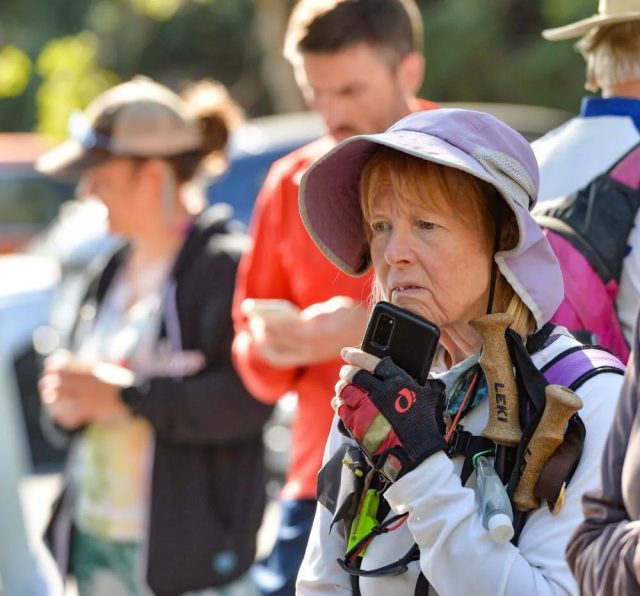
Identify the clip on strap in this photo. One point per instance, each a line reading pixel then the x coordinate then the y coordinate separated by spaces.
pixel 467 444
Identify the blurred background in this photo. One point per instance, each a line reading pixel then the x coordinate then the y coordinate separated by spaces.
pixel 56 56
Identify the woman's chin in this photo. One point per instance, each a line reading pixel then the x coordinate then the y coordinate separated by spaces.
pixel 414 303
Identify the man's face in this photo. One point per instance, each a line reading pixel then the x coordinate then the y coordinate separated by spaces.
pixel 354 89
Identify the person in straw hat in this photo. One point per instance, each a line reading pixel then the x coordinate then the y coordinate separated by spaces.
pixel 607 128
pixel 603 553
pixel 608 125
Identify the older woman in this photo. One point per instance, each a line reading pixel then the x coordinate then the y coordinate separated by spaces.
pixel 439 205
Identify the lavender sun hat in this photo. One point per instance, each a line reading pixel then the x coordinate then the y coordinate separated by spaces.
pixel 474 142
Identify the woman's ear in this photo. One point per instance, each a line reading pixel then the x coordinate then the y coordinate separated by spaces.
pixel 168 194
pixel 410 73
pixel 161 186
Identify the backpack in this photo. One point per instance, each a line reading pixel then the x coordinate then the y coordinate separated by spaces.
pixel 588 231
pixel 341 479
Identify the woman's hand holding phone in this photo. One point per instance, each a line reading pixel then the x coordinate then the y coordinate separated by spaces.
pixel 397 422
pixel 77 392
pixel 408 339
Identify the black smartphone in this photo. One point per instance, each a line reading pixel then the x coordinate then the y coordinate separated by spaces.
pixel 408 339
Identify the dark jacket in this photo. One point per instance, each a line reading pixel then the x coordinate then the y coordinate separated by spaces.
pixel 207 491
pixel 604 553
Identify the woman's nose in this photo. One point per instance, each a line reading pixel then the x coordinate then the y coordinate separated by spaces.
pixel 399 249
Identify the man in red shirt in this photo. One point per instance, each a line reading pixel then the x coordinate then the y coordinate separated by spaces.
pixel 359 64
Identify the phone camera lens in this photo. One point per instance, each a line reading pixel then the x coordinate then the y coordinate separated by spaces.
pixel 382 332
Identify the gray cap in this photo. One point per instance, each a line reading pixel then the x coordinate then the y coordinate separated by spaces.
pixel 140 118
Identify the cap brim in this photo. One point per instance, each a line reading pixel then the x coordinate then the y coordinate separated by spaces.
pixel 580 28
pixel 68 161
pixel 330 197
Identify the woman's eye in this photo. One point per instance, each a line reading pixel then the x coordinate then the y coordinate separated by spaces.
pixel 426 225
pixel 379 226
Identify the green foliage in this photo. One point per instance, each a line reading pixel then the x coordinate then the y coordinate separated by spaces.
pixel 71 78
pixel 493 51
pixel 561 13
pixel 488 50
pixel 15 71
pixel 83 46
pixel 159 10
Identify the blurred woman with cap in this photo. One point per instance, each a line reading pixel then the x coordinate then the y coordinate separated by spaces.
pixel 439 205
pixel 158 418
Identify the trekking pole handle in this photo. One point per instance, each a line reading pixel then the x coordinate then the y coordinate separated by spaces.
pixel 561 404
pixel 503 427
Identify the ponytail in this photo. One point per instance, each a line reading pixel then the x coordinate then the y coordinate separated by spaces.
pixel 218 115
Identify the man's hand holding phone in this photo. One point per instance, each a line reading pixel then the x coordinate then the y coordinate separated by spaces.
pixel 287 337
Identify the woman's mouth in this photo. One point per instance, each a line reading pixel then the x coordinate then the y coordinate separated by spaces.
pixel 405 290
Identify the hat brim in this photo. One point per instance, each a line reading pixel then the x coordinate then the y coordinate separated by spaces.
pixel 329 198
pixel 68 161
pixel 580 28
pixel 329 203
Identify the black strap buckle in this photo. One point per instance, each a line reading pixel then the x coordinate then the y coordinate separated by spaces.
pixel 459 443
pixel 395 568
pixel 467 444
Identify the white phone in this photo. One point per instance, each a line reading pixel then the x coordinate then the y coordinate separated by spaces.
pixel 270 308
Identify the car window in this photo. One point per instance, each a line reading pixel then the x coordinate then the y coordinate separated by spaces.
pixel 240 184
pixel 30 200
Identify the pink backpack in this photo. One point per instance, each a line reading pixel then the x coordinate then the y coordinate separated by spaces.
pixel 588 231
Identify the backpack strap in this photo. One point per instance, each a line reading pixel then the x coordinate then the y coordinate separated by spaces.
pixel 572 368
pixel 354 580
pixel 422 586
pixel 468 445
pixel 540 339
pixel 577 365
pixel 585 218
pixel 626 170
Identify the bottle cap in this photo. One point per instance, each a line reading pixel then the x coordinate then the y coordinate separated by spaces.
pixel 500 527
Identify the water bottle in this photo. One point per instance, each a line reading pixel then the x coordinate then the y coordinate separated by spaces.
pixel 497 515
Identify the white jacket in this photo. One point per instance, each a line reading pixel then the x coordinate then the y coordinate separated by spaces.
pixel 570 157
pixel 457 554
pixel 573 154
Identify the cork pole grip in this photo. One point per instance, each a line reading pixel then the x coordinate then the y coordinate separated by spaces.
pixel 561 404
pixel 503 427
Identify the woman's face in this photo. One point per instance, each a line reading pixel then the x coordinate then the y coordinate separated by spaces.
pixel 433 264
pixel 115 183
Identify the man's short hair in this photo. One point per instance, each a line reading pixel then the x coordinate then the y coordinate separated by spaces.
pixel 393 27
pixel 612 54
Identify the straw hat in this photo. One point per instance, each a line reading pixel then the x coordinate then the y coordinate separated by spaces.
pixel 610 12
